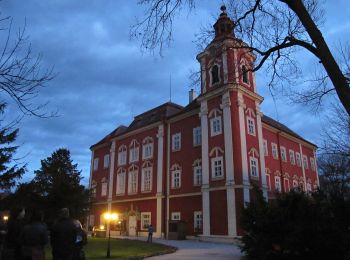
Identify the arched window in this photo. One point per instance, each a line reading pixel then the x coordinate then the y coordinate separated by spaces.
pixel 214 74
pixel 245 74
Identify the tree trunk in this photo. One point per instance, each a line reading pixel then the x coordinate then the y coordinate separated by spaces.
pixel 324 54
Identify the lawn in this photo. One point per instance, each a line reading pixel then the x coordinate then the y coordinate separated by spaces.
pixel 120 249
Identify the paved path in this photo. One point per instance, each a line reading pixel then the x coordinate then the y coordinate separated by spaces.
pixel 193 250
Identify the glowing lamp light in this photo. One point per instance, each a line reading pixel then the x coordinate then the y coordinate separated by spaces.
pixel 110 216
pixel 6 218
pixel 102 227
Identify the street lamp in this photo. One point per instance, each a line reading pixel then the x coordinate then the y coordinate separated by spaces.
pixel 108 216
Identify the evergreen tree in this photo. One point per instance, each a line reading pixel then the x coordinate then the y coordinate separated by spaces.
pixel 58 183
pixel 10 171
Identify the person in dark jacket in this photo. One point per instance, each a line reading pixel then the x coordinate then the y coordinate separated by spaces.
pixel 34 237
pixel 80 241
pixel 63 237
pixel 14 230
pixel 150 233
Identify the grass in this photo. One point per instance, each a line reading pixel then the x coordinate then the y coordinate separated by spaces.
pixel 120 249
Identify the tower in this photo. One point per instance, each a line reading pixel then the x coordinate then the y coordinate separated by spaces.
pixel 231 127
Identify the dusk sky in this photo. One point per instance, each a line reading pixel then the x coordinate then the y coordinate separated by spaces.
pixel 103 79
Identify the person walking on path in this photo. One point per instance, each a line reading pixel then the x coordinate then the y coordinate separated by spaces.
pixel 150 233
pixel 63 237
pixel 14 230
pixel 34 237
pixel 80 241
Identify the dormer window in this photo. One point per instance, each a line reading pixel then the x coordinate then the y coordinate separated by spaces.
pixel 214 74
pixel 245 74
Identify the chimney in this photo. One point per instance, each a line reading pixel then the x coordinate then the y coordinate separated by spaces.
pixel 191 95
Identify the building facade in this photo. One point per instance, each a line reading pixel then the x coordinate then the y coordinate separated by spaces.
pixel 197 163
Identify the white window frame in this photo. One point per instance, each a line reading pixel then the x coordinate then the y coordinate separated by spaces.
pixel 175 215
pixel 197 175
pixel 274 150
pixel 133 174
pixel 146 216
pixel 106 161
pixel 134 154
pixel 95 166
pixel 254 167
pixel 312 164
pixel 251 125
pixel 147 151
pixel 197 136
pixel 286 184
pixel 216 129
pixel 278 187
pixel 104 188
pixel 145 171
pixel 176 179
pixel 197 220
pixel 122 153
pixel 283 153
pixel 308 187
pixel 298 159
pixel 305 162
pixel 176 142
pixel 295 184
pixel 266 149
pixel 292 157
pixel 121 177
pixel 213 167
pixel 93 189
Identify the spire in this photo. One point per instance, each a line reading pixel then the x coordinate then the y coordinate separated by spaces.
pixel 224 25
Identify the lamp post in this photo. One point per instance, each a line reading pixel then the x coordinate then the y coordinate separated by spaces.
pixel 108 216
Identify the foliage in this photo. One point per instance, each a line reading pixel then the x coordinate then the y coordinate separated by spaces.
pixel 10 171
pixel 296 226
pixel 58 184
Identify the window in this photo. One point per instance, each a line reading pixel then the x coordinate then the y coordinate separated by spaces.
pixel 295 184
pixel 197 173
pixel 286 185
pixel 291 157
pixel 312 162
pixel 95 164
pixel 198 221
pixel 134 154
pixel 106 161
pixel 274 151
pixel 146 182
pixel 306 165
pixel 266 151
pixel 215 125
pixel 214 74
pixel 254 171
pixel 283 154
pixel 245 74
pixel 217 170
pixel 104 188
pixel 197 136
pixel 122 155
pixel 132 182
pixel 121 181
pixel 175 216
pixel 278 183
pixel 251 126
pixel 297 156
pixel 176 142
pixel 176 179
pixel 93 189
pixel 308 188
pixel 147 151
pixel 268 182
pixel 145 220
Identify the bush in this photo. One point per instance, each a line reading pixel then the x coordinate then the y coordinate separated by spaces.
pixel 296 226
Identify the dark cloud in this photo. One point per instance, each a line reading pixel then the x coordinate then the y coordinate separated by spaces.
pixel 103 79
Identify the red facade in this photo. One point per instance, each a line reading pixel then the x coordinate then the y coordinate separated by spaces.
pixel 196 164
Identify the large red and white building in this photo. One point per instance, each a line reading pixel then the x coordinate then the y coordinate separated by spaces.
pixel 197 163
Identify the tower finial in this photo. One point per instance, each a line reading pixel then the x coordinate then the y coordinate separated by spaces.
pixel 223 9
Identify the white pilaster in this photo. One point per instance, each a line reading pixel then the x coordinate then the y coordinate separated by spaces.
pixel 237 65
pixel 160 137
pixel 242 134
pixel 224 65
pixel 205 168
pixel 302 166
pixel 230 192
pixel 317 178
pixel 261 150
